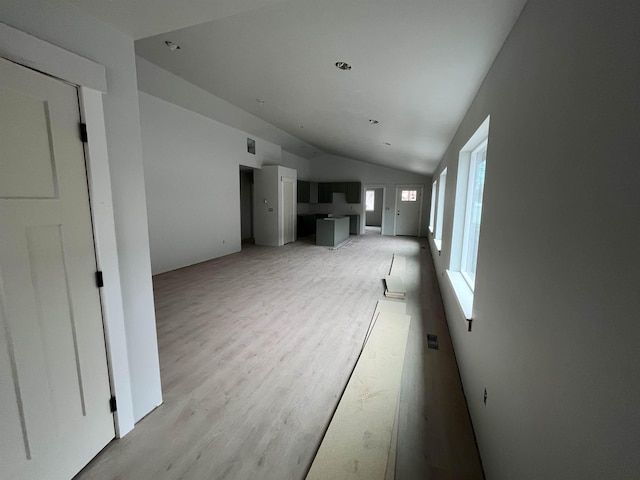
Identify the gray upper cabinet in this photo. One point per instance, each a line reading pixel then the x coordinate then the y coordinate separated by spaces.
pixel 325 193
pixel 354 192
pixel 303 191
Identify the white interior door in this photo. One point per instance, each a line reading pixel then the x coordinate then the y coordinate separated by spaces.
pixel 54 384
pixel 288 210
pixel 408 207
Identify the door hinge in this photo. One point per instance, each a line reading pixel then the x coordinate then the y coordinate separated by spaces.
pixel 84 137
pixel 99 279
pixel 113 405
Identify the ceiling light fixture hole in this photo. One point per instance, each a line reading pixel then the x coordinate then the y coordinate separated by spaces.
pixel 172 46
pixel 343 66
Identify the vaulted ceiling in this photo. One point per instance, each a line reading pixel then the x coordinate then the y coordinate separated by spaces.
pixel 415 65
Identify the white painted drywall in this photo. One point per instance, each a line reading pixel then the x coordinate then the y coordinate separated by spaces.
pixel 331 168
pixel 300 164
pixel 265 206
pixel 555 320
pixel 374 217
pixel 164 84
pixel 192 179
pixel 60 23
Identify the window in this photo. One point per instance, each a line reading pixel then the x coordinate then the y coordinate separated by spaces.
pixel 369 200
pixel 473 212
pixel 467 217
pixel 432 216
pixel 409 196
pixel 442 185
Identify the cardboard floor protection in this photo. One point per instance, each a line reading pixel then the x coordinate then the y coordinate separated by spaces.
pixel 358 442
pixel 384 306
pixel 395 287
pixel 398 265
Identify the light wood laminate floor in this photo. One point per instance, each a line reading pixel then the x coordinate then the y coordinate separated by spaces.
pixel 255 350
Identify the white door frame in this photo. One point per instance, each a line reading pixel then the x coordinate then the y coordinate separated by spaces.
pixel 91 80
pixel 363 223
pixel 294 225
pixel 409 186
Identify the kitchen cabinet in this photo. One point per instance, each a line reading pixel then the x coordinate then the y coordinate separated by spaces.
pixel 303 191
pixel 354 192
pixel 354 224
pixel 332 231
pixel 325 192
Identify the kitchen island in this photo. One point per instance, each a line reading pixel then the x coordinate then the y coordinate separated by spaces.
pixel 332 231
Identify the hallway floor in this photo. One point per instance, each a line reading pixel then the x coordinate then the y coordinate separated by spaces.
pixel 255 349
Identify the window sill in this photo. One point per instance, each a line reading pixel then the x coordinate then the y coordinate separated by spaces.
pixel 438 244
pixel 463 292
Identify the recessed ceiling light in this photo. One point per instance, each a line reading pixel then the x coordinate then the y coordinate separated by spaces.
pixel 373 121
pixel 172 46
pixel 386 143
pixel 343 66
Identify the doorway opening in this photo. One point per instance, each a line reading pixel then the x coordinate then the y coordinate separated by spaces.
pixel 373 208
pixel 246 205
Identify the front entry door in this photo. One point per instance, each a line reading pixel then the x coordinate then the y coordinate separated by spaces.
pixel 54 384
pixel 408 202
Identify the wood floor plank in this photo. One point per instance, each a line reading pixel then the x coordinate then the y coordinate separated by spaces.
pixel 255 351
pixel 359 438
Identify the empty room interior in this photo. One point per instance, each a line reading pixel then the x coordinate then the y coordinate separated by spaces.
pixel 337 239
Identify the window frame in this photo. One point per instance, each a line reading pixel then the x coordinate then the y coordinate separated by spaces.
pixel 462 284
pixel 442 192
pixel 469 207
pixel 434 198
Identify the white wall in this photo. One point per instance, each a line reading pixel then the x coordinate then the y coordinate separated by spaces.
pixel 555 321
pixel 192 180
pixel 64 25
pixel 300 164
pixel 327 168
pixel 266 196
pixel 268 204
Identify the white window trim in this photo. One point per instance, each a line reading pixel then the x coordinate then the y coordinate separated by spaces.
pixel 463 293
pixel 468 212
pixel 442 192
pixel 432 213
pixel 461 284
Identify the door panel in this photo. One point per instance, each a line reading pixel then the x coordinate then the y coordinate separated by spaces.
pixel 408 201
pixel 54 385
pixel 288 211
